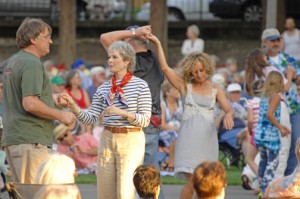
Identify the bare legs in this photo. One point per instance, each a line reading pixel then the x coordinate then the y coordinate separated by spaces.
pixel 250 153
pixel 188 189
pixel 171 154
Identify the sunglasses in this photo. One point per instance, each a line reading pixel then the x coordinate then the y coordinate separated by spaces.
pixel 62 138
pixel 273 40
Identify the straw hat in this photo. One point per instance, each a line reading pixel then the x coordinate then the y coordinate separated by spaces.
pixel 59 131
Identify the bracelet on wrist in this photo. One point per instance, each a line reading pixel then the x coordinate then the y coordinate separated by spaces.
pixel 133 32
pixel 76 110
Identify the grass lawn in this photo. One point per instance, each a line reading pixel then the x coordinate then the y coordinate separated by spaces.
pixel 233 177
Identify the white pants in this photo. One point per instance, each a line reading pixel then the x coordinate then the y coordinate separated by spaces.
pixel 118 156
pixel 285 142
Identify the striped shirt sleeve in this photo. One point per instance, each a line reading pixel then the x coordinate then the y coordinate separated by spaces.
pixel 93 113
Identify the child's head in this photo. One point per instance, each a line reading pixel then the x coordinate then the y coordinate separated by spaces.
pixel 257 87
pixel 209 180
pixel 169 91
pixel 66 191
pixel 273 84
pixel 56 169
pixel 256 61
pixel 146 180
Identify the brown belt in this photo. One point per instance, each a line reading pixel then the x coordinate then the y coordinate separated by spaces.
pixel 122 129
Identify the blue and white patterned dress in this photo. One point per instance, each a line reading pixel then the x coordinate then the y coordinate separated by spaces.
pixel 266 134
pixel 267 138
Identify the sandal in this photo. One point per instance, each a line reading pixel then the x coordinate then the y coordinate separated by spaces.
pixel 170 169
pixel 164 166
pixel 246 182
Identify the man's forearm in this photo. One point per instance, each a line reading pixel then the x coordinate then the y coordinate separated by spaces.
pixel 108 38
pixel 38 108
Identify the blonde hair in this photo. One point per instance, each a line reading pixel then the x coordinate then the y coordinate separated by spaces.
pixel 165 87
pixel 56 169
pixel 189 62
pixel 58 192
pixel 273 84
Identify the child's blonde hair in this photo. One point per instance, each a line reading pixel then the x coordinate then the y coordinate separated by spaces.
pixel 62 191
pixel 273 84
pixel 56 169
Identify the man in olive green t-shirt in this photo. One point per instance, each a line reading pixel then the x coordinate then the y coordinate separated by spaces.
pixel 28 103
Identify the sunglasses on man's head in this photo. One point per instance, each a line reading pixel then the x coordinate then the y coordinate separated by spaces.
pixel 62 138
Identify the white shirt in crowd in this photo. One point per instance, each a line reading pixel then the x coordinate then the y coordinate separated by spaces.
pixel 190 46
pixel 292 44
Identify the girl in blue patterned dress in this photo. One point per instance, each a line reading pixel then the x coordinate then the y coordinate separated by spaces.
pixel 268 130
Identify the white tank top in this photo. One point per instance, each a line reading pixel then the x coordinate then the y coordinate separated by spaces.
pixel 292 44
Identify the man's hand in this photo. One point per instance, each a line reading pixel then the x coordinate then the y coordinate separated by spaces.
pixel 60 102
pixel 65 100
pixel 290 73
pixel 143 31
pixel 68 119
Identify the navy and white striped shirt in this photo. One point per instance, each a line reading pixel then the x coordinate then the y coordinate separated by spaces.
pixel 138 96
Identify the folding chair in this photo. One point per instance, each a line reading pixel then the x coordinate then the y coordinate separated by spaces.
pixel 232 153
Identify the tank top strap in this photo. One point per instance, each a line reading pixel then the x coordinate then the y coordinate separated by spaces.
pixel 189 89
pixel 214 92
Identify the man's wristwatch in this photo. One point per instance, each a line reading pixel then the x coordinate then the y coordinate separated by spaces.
pixel 133 31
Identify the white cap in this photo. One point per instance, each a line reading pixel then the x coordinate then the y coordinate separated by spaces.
pixel 233 87
pixel 97 69
pixel 219 80
pixel 270 34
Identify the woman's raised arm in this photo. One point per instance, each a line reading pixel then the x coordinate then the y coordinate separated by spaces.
pixel 171 75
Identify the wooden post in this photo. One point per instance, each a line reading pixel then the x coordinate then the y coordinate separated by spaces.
pixel 67 32
pixel 273 14
pixel 159 23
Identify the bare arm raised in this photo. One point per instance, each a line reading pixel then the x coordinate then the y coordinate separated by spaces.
pixel 171 75
pixel 108 38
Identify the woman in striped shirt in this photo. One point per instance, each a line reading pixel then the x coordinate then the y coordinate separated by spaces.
pixel 125 102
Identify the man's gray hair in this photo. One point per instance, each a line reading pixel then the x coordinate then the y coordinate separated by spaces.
pixel 126 51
